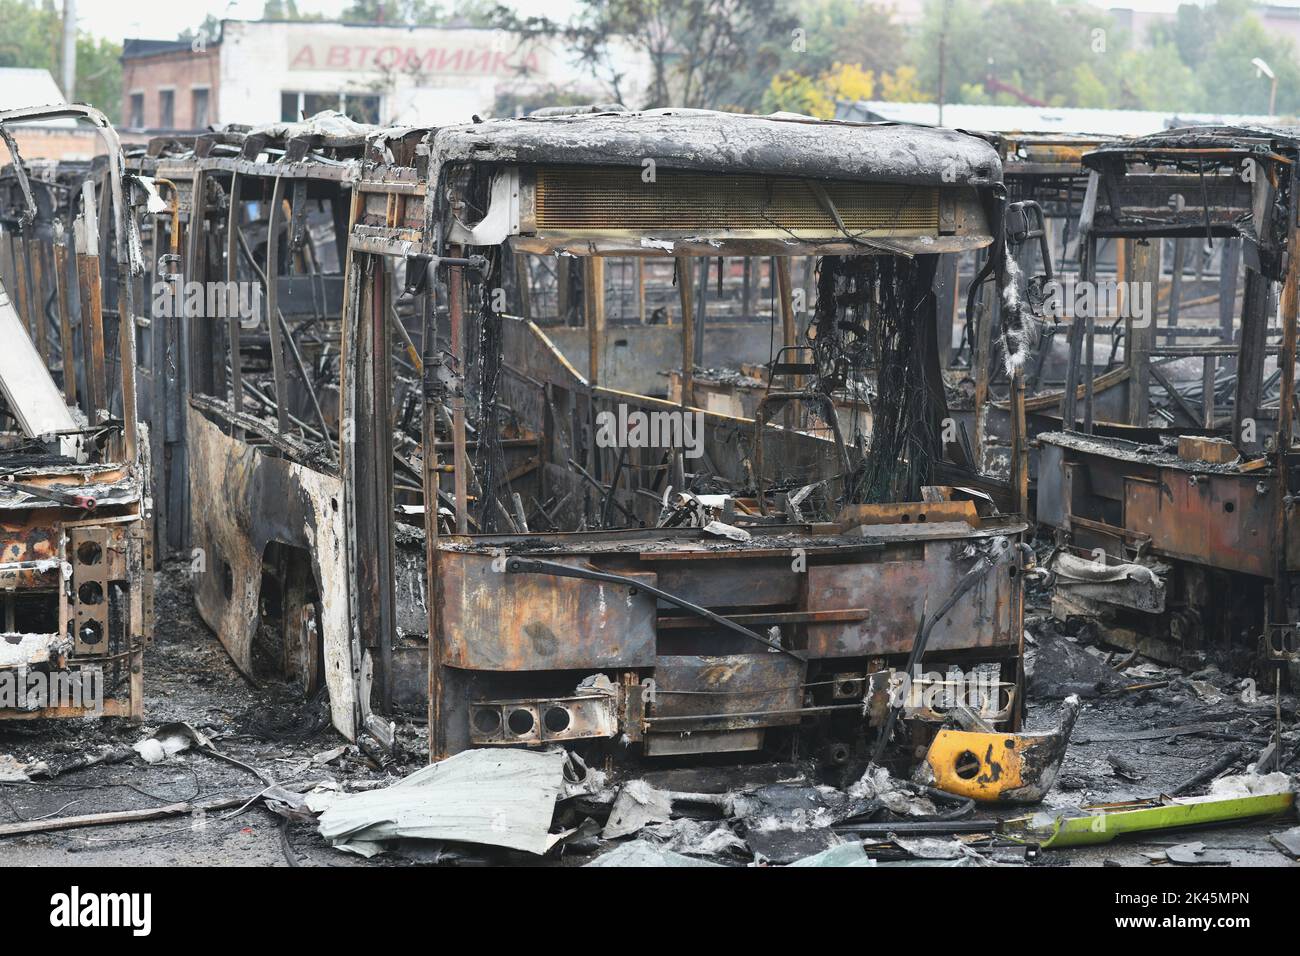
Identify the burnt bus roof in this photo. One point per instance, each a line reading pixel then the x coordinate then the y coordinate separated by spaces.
pixel 1226 138
pixel 704 140
pixel 1190 182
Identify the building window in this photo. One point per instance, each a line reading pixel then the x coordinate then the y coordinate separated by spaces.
pixel 313 103
pixel 199 108
pixel 166 109
pixel 136 120
pixel 294 106
pixel 363 109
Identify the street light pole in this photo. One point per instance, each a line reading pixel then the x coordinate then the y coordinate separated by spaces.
pixel 1263 69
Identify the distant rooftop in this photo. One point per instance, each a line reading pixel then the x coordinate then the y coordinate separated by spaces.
pixel 1007 119
pixel 134 48
pixel 21 87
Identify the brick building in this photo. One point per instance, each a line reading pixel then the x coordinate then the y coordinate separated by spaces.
pixel 169 84
pixel 268 71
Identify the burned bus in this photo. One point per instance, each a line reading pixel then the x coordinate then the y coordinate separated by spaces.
pixel 75 546
pixel 1194 526
pixel 751 592
pixel 453 520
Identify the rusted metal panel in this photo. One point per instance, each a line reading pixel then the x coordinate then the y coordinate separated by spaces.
pixel 731 692
pixel 908 512
pixel 747 581
pixel 495 621
pixel 1220 520
pixel 248 500
pixel 897 591
pixel 29 547
pixel 545 721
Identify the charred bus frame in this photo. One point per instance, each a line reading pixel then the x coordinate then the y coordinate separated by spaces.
pixel 666 641
pixel 75 497
pixel 1212 516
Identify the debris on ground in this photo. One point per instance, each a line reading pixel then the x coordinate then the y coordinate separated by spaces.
pixel 1231 799
pixel 495 797
pixel 1061 667
pixel 640 853
pixel 169 740
pixel 1288 841
pixel 999 767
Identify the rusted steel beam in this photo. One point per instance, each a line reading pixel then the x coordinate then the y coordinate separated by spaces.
pixel 36 265
pixel 1229 266
pixel 1019 442
pixel 522 276
pixel 1090 344
pixel 1176 280
pixel 432 474
pixel 22 271
pixel 65 314
pixel 272 306
pixel 233 226
pixel 593 300
pixel 460 460
pixel 1073 373
pixel 688 330
pixel 375 466
pixel 92 307
pixel 1250 361
pixel 1144 268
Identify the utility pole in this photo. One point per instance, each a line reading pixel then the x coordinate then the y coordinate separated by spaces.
pixel 943 53
pixel 69 49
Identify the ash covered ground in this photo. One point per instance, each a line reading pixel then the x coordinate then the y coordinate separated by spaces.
pixel 1127 744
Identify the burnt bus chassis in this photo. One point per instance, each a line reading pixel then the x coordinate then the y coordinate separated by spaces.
pixel 583 668
pixel 75 538
pixel 520 646
pixel 1225 531
pixel 253 482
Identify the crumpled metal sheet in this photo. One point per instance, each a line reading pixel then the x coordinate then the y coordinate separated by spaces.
pixel 641 853
pixel 495 797
pixel 1128 585
pixel 26 650
pixel 843 855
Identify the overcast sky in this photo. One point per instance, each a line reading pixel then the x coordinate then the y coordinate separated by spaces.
pixel 116 19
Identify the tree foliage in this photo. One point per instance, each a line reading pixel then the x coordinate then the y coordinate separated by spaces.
pixel 1068 55
pixel 33 37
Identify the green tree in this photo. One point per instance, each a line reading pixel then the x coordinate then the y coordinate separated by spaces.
pixel 1152 79
pixel 719 54
pixel 32 37
pixel 410 12
pixel 286 10
pixel 845 31
pixel 1019 49
pixel 1217 43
